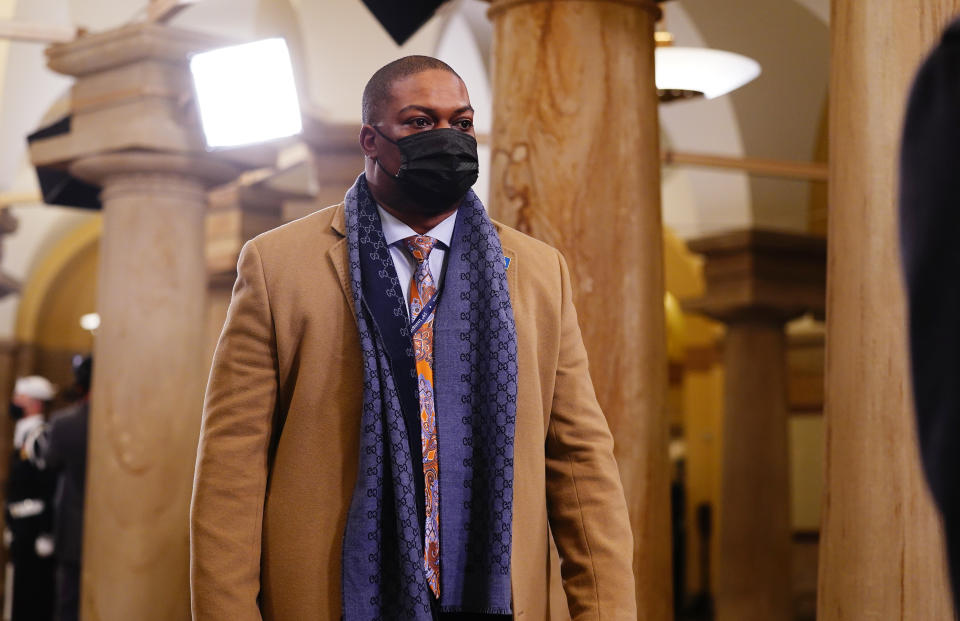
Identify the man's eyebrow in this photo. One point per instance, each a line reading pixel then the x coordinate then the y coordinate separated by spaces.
pixel 423 109
pixel 431 111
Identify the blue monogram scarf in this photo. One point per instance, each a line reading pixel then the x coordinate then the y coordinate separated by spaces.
pixel 475 371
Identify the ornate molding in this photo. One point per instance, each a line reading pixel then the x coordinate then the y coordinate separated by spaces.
pixel 150 164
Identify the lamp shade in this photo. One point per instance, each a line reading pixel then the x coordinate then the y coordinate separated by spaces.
pixel 402 19
pixel 246 93
pixel 691 71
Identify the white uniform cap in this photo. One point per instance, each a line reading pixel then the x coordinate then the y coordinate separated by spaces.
pixel 36 387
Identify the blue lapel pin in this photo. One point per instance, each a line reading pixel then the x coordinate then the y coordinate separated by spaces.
pixel 506 262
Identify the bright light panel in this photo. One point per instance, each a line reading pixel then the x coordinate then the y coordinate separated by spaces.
pixel 246 93
pixel 711 72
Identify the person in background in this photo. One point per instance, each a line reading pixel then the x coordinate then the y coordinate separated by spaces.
pixel 28 510
pixel 62 449
pixel 929 216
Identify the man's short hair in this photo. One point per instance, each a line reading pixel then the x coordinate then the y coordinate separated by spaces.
pixel 377 90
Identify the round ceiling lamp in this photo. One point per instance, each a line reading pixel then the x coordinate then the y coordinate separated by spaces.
pixel 90 321
pixel 686 72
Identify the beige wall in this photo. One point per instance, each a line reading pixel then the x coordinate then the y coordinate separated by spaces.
pixel 703 424
pixel 779 113
pixel 805 386
pixel 806 472
pixel 335 86
pixel 7 11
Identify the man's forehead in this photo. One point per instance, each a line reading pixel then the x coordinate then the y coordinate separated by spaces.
pixel 429 88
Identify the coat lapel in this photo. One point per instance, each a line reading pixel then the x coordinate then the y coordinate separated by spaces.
pixel 338 257
pixel 510 260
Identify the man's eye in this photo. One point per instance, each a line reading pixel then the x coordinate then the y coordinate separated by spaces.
pixel 420 122
pixel 465 124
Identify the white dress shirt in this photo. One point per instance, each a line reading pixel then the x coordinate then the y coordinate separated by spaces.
pixel 394 231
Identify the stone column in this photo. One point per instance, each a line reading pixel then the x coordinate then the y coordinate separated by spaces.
pixel 8 376
pixel 881 549
pixel 756 282
pixel 8 370
pixel 336 161
pixel 148 384
pixel 8 356
pixel 575 162
pixel 238 211
pixel 134 131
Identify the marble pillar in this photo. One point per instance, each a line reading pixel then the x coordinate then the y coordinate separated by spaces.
pixel 135 132
pixel 237 212
pixel 148 383
pixel 336 161
pixel 756 282
pixel 881 550
pixel 8 376
pixel 575 162
pixel 8 358
pixel 9 351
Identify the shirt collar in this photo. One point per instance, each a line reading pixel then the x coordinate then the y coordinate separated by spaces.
pixel 394 230
pixel 23 428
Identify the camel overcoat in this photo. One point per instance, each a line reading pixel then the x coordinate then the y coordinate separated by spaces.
pixel 278 451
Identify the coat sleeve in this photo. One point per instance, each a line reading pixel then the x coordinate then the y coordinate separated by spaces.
pixel 232 460
pixel 585 500
pixel 50 449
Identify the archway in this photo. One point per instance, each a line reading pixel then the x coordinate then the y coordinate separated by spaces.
pixel 61 289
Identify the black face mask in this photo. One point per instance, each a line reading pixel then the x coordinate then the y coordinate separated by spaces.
pixel 16 412
pixel 437 167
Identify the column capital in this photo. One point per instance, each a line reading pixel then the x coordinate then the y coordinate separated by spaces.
pixel 650 6
pixel 761 275
pixel 133 92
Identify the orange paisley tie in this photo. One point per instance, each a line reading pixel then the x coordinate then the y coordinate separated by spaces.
pixel 422 291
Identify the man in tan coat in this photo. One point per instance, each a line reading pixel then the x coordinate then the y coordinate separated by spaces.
pixel 332 480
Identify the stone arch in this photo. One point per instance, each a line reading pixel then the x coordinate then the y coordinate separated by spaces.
pixel 61 288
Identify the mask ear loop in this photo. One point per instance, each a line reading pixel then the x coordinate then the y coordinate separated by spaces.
pixel 394 142
pixel 394 176
pixel 385 137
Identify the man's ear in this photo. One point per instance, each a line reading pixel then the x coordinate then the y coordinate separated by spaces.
pixel 368 141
